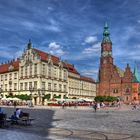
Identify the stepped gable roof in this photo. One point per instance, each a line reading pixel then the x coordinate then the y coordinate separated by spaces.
pixel 44 56
pixel 84 78
pixel 11 66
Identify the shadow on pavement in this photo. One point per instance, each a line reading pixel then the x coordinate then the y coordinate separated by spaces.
pixel 40 126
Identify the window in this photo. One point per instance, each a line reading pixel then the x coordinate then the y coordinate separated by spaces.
pixel 127 98
pixel 60 87
pixel 35 69
pixel 49 70
pixel 127 90
pixel 15 75
pixel 26 85
pixel 55 72
pixel 21 71
pixel 43 69
pixel 49 86
pixel 55 87
pixel 10 76
pixel 15 86
pixel 30 70
pixel 60 73
pixel 30 85
pixel 5 87
pixel 5 76
pixel 65 88
pixel 43 85
pixel 25 70
pixel 35 84
pixel 115 90
pixel 1 77
pixel 21 86
pixel 65 75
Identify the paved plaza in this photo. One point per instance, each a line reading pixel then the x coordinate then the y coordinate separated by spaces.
pixel 75 124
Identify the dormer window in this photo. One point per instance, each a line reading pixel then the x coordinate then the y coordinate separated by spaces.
pixel 11 67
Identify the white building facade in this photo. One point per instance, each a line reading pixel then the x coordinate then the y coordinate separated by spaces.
pixel 37 73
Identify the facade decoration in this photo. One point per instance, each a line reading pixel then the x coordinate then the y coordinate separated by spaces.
pixel 38 73
pixel 112 81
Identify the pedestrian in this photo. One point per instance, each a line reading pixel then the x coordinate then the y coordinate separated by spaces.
pixel 95 106
pixel 15 104
pixel 63 105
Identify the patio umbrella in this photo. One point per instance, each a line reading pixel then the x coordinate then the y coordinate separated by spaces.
pixel 4 98
pixel 16 99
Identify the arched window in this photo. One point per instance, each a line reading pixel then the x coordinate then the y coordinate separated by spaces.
pixel 127 90
pixel 115 90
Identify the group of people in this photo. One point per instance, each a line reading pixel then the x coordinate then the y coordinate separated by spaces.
pixel 97 105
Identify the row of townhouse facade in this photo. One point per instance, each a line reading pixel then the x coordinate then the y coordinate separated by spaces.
pixel 38 73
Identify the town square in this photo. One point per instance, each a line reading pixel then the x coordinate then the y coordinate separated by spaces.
pixel 69 70
pixel 76 123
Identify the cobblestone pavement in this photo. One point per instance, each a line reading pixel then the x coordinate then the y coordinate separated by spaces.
pixel 75 124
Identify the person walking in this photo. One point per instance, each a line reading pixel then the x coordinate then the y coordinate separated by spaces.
pixel 95 106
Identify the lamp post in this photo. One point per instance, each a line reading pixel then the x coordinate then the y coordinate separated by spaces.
pixel 41 95
pixel 31 89
pixel 0 94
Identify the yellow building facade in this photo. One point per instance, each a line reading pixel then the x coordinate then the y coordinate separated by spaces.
pixel 38 73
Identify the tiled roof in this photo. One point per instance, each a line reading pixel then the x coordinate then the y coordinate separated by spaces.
pixel 71 68
pixel 120 72
pixel 87 79
pixel 136 75
pixel 56 60
pixel 44 56
pixel 5 67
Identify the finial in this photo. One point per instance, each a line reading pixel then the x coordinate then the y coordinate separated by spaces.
pixel 106 34
pixel 29 44
pixel 106 25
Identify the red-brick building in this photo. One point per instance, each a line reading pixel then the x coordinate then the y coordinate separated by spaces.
pixel 112 81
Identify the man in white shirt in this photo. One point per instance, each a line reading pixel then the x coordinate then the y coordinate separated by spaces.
pixel 18 112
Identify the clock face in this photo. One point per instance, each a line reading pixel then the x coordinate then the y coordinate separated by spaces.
pixel 105 53
pixel 110 53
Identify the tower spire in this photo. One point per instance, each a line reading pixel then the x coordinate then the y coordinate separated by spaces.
pixel 106 34
pixel 29 46
pixel 136 76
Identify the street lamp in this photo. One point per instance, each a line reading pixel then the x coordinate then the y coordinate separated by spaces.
pixel 0 94
pixel 31 89
pixel 41 93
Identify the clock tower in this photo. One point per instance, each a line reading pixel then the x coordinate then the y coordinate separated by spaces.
pixel 106 60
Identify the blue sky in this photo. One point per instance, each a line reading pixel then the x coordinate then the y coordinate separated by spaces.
pixel 72 30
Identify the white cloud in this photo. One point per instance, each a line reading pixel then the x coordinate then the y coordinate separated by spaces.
pixel 90 73
pixel 94 49
pixel 138 21
pixel 54 45
pixel 90 39
pixel 18 53
pixel 56 49
pixel 29 25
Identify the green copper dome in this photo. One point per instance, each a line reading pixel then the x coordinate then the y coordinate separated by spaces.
pixel 106 34
pixel 136 75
